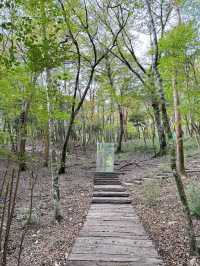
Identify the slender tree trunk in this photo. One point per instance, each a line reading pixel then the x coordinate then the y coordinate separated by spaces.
pixel 153 132
pixel 65 146
pixel 155 62
pixel 144 136
pixel 46 147
pixel 23 136
pixel 160 129
pixel 23 130
pixel 165 117
pixel 53 155
pixel 10 213
pixel 103 122
pixel 177 163
pixel 125 125
pixel 179 132
pixel 183 198
pixel 138 131
pixel 188 126
pixel 12 140
pixel 121 133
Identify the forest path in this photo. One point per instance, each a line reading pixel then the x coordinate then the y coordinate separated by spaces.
pixel 112 234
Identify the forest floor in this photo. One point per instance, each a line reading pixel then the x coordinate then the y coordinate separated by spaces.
pixel 48 243
pixel 156 200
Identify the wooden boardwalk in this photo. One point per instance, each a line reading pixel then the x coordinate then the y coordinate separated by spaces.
pixel 112 234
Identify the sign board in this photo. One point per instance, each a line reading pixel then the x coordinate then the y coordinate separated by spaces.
pixel 105 157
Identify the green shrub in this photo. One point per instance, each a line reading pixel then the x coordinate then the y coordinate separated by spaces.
pixel 193 196
pixel 151 189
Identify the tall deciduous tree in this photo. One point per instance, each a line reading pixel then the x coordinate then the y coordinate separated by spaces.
pixel 175 46
pixel 96 54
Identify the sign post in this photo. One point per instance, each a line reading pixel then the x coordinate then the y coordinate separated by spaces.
pixel 105 157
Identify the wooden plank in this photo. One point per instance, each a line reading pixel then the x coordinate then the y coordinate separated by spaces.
pixel 116 208
pixel 122 223
pixel 108 211
pixel 131 242
pixel 131 252
pixel 106 174
pixel 113 200
pixel 106 250
pixel 111 230
pixel 110 194
pixel 112 234
pixel 111 227
pixel 135 234
pixel 107 181
pixel 141 262
pixel 115 212
pixel 113 258
pixel 107 178
pixel 112 188
pixel 113 218
pixel 112 207
pixel 113 182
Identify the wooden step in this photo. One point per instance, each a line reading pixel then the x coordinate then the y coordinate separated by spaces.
pixel 109 174
pixel 110 194
pixel 141 262
pixel 113 200
pixel 107 183
pixel 113 188
pixel 112 234
pixel 106 178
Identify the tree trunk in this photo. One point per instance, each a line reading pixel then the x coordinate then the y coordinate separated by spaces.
pixel 144 137
pixel 165 117
pixel 23 136
pixel 188 126
pixel 46 147
pixel 65 146
pixel 121 133
pixel 53 155
pixel 160 129
pixel 12 140
pixel 179 132
pixel 23 130
pixel 183 198
pixel 125 125
pixel 155 62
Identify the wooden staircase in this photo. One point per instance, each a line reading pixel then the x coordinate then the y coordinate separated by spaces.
pixel 112 234
pixel 109 190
